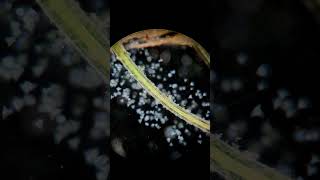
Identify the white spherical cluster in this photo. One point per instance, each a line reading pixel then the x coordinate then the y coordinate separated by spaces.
pixel 183 91
pixel 128 92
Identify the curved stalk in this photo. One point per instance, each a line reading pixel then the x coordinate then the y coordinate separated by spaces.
pixel 122 55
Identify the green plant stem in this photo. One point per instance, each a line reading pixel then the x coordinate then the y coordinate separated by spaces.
pixel 122 55
pixel 85 35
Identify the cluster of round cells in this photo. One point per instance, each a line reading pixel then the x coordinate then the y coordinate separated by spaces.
pixel 182 91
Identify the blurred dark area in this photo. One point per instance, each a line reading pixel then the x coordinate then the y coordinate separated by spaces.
pixel 54 111
pixel 264 81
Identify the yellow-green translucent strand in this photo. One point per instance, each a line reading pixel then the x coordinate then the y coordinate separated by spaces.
pixel 122 55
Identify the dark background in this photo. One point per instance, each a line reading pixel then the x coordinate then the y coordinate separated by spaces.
pixel 285 36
